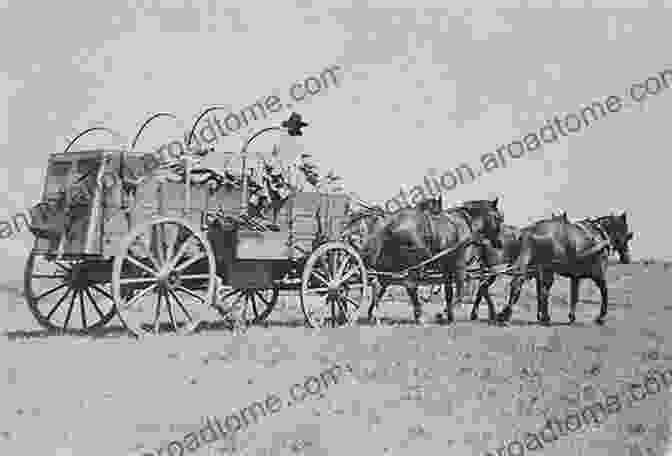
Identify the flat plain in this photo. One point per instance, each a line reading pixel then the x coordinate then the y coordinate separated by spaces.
pixel 463 389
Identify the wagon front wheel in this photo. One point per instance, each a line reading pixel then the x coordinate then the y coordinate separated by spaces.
pixel 334 285
pixel 163 278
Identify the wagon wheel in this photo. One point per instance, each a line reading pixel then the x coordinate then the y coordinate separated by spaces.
pixel 334 284
pixel 166 264
pixel 56 290
pixel 245 305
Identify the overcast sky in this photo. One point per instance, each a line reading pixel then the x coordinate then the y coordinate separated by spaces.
pixel 424 87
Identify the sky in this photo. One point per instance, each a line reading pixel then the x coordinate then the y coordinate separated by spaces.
pixel 429 86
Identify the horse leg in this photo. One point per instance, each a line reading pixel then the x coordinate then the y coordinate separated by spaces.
pixel 379 288
pixel 447 294
pixel 459 291
pixel 516 285
pixel 412 290
pixel 545 279
pixel 484 292
pixel 574 298
pixel 601 283
pixel 477 301
pixel 492 314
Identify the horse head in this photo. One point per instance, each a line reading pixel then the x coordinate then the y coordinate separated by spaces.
pixel 562 216
pixel 486 219
pixel 616 227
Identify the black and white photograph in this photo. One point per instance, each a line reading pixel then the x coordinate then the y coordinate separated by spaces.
pixel 311 228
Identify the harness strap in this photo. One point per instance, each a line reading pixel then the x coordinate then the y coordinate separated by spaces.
pixel 595 225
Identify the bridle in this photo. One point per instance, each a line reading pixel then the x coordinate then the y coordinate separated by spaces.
pixel 597 225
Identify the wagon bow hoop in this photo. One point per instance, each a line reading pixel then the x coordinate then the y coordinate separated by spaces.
pixel 89 130
pixel 131 147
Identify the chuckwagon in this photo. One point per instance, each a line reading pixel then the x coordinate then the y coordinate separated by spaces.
pixel 163 250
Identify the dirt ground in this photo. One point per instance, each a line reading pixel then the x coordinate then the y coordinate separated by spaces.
pixel 464 389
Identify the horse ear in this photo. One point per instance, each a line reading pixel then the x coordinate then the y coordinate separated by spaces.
pixel 495 202
pixel 623 216
pixel 629 236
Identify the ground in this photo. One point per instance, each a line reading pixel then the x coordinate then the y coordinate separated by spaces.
pixel 464 389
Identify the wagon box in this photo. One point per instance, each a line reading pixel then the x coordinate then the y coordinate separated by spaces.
pixel 267 245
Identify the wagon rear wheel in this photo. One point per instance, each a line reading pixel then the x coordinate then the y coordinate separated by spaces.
pixel 71 296
pixel 164 278
pixel 248 306
pixel 334 285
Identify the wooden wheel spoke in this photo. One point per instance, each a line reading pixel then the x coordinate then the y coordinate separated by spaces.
pixel 72 304
pixel 184 310
pixel 142 280
pixel 180 253
pixel 323 264
pixel 333 261
pixel 317 290
pixel 65 268
pixel 157 312
pixel 342 268
pixel 171 245
pixel 103 292
pixel 48 276
pixel 58 304
pixel 350 273
pixel 321 277
pixel 53 290
pixel 82 310
pixel 95 304
pixel 170 309
pixel 138 296
pixel 189 262
pixel 162 244
pixel 191 293
pixel 352 301
pixel 137 263
pixel 194 276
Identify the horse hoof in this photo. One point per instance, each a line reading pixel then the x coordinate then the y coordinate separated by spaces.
pixel 572 319
pixel 474 317
pixel 599 321
pixel 504 316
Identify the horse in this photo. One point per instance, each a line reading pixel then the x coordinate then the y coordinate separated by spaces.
pixel 575 250
pixel 410 236
pixel 490 257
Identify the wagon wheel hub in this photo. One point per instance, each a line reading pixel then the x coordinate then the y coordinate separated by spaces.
pixel 335 289
pixel 171 280
pixel 77 277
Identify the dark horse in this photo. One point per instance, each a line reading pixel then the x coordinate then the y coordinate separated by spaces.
pixel 490 257
pixel 410 236
pixel 574 250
